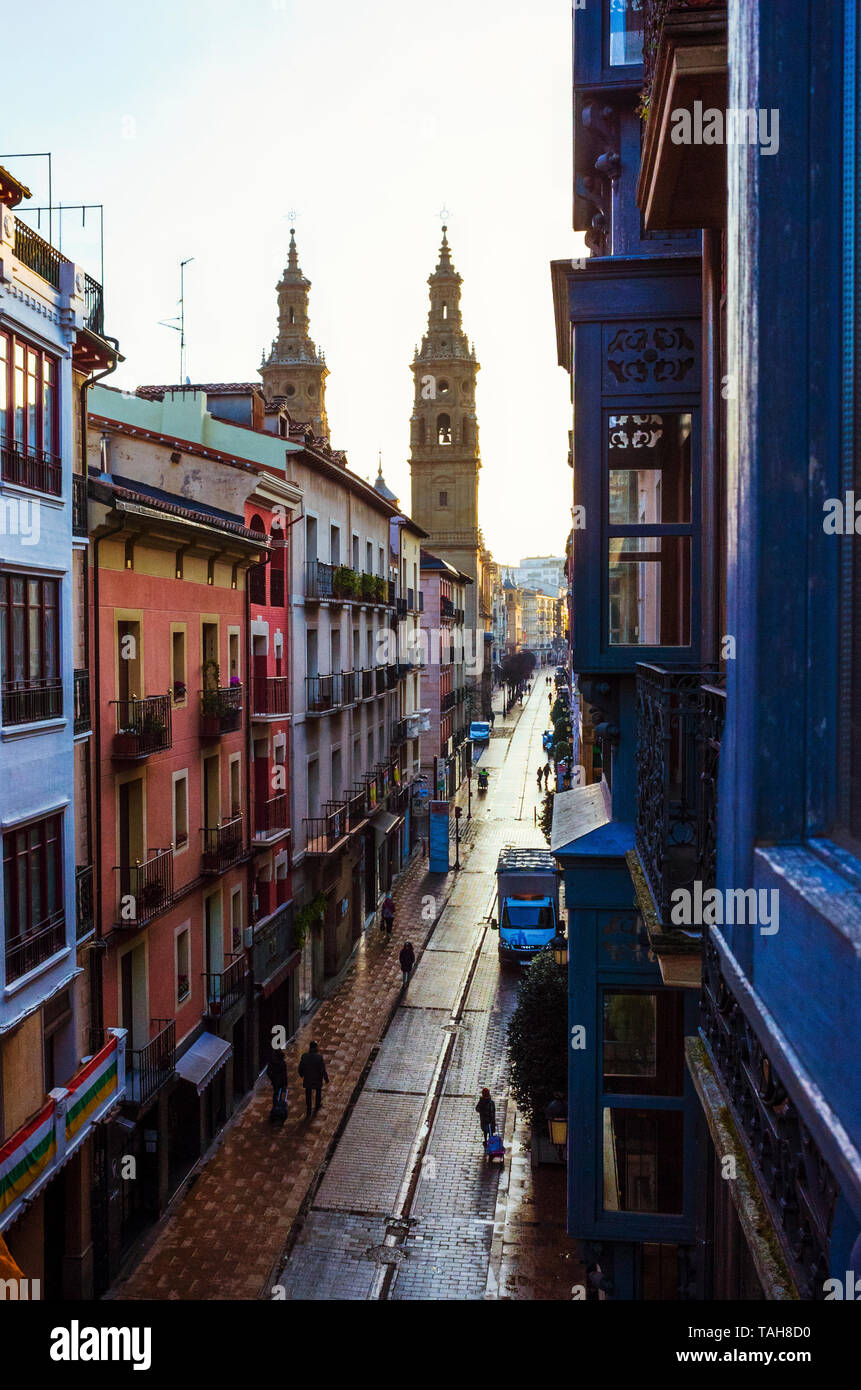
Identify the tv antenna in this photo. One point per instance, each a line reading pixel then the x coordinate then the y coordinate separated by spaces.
pixel 178 323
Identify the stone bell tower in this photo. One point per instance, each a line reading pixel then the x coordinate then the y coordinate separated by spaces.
pixel 444 457
pixel 294 368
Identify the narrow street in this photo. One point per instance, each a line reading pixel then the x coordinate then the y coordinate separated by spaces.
pixel 386 1193
pixel 408 1207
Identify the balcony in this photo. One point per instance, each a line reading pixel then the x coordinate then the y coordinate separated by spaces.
pixel 83 720
pixel 273 946
pixel 448 701
pixel 401 608
pixel 37 470
pixel 325 693
pixel 446 608
pixel 391 676
pixel 24 953
pixel 143 727
pixel 367 684
pixel 222 845
pixel 399 733
pixel 411 600
pixel 151 1066
pixel 270 697
pixel 145 889
pixel 29 702
pixel 33 251
pixel 220 711
pixel 94 306
pixel 328 832
pixel 80 525
pixel 380 680
pixel 357 805
pixel 679 728
pixel 271 818
pixel 84 914
pixel 682 185
pixel 227 987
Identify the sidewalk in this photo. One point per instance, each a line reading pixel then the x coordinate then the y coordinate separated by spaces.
pixel 225 1234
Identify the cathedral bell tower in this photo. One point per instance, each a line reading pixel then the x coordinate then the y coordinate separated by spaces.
pixel 444 457
pixel 294 368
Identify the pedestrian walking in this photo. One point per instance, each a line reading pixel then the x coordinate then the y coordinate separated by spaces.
pixel 492 719
pixel 486 1114
pixel 387 916
pixel 407 959
pixel 547 770
pixel 312 1069
pixel 539 774
pixel 276 1070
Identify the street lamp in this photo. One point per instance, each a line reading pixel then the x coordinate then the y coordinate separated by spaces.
pixel 559 947
pixel 556 1114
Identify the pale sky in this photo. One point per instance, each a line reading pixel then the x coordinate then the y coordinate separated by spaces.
pixel 199 124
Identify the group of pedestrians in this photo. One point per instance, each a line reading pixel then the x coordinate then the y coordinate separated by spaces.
pixel 312 1070
pixel 406 956
pixel 544 772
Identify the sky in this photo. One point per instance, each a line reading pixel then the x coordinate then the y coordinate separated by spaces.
pixel 200 124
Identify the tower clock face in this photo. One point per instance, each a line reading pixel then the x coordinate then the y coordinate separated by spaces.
pixel 289 390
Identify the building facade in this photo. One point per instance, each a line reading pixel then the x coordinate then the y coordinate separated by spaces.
pixel 445 746
pixel 721 1150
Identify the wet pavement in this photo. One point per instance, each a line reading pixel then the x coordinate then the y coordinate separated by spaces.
pixel 404 1205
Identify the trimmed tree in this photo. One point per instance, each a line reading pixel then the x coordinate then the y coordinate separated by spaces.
pixel 538 1038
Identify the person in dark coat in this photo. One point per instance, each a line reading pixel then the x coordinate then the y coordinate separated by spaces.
pixel 312 1069
pixel 387 916
pixel 486 1114
pixel 407 959
pixel 276 1070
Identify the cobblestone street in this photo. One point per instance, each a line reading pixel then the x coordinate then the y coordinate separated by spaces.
pixel 404 1204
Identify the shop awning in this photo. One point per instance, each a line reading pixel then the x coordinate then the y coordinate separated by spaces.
pixel 202 1060
pixel 384 822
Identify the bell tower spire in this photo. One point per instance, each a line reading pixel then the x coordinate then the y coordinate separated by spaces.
pixel 444 454
pixel 294 368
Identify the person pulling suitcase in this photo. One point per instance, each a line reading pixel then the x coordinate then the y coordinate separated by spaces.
pixel 276 1071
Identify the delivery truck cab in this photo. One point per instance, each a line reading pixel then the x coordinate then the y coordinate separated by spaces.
pixel 527 903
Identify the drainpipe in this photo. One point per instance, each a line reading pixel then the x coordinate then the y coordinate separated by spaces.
pixel 95 818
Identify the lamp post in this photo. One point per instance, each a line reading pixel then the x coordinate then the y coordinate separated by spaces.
pixel 556 1114
pixel 458 812
pixel 469 794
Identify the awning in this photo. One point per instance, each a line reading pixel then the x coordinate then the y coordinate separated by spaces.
pixel 384 822
pixel 201 1062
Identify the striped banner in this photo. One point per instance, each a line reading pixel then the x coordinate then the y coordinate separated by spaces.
pixel 91 1087
pixel 26 1154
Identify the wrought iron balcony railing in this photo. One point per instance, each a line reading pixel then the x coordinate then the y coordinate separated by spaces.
pixel 401 608
pixel 271 817
pixel 84 914
pixel 367 684
pixel 32 468
pixel 448 700
pixel 79 505
pixel 270 696
pixel 144 889
pixel 225 987
pixel 220 711
pixel 323 833
pixel 673 808
pixel 399 733
pixel 222 845
pixel 94 306
pixel 356 801
pixel 26 951
pixel 143 727
pixel 273 943
pixel 149 1067
pixel 380 679
pixel 29 702
pixel 33 251
pixel 330 692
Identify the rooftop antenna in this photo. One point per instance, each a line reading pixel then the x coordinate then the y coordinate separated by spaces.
pixel 178 323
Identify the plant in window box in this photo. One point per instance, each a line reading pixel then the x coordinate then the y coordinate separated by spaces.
pixel 368 586
pixel 381 589
pixel 153 728
pixel 151 895
pixel 234 681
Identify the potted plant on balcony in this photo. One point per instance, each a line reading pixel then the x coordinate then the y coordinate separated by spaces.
pixel 151 895
pixel 153 728
pixel 381 589
pixel 345 582
pixel 126 743
pixel 368 586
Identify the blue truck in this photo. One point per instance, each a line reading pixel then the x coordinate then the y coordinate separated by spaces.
pixel 528 902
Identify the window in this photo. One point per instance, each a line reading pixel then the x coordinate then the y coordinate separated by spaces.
pixel 177 667
pixel 649 491
pixel 33 894
pixel 643 1160
pixel 382 560
pixel 626 32
pixel 180 809
pixel 236 920
pixel 30 649
pixel 183 970
pixel 235 788
pixel 335 545
pixel 233 653
pixel 443 499
pixel 369 557
pixel 443 429
pixel 29 430
pixel 643 1043
pixel 355 552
